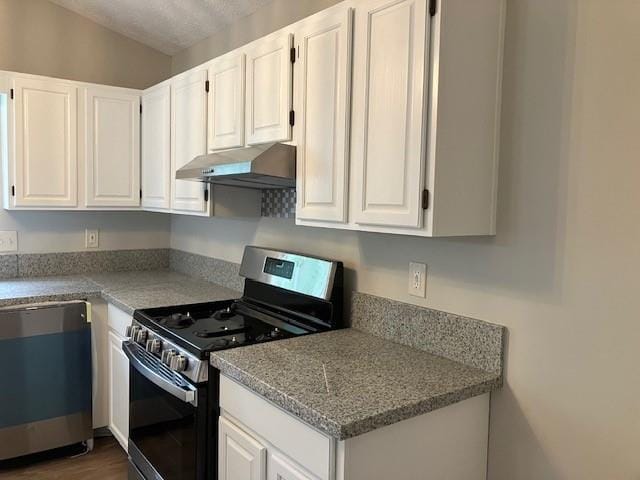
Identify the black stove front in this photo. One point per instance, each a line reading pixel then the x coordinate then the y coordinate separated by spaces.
pixel 174 397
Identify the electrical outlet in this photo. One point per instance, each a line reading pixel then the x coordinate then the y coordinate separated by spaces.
pixel 91 238
pixel 418 279
pixel 8 241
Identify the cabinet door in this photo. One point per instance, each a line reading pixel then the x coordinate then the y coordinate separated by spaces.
pixel 46 151
pixel 188 138
pixel 269 89
pixel 156 148
pixel 118 390
pixel 240 456
pixel 112 168
pixel 388 126
pixel 226 102
pixel 322 81
pixel 280 468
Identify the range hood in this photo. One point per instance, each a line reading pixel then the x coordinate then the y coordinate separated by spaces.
pixel 271 165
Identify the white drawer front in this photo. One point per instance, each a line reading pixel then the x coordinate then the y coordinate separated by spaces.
pixel 307 446
pixel 118 320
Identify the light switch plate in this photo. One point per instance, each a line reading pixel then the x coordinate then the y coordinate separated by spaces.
pixel 8 241
pixel 91 238
pixel 418 279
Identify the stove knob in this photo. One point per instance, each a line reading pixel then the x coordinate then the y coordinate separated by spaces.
pixel 178 363
pixel 132 331
pixel 154 346
pixel 167 355
pixel 141 336
pixel 274 333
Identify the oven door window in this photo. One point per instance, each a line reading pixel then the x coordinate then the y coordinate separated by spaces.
pixel 163 428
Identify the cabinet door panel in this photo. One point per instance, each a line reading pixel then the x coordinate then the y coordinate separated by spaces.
pixel 226 102
pixel 279 468
pixel 322 81
pixel 240 457
pixel 118 390
pixel 269 90
pixel 112 126
pixel 188 138
pixel 156 148
pixel 389 75
pixel 45 129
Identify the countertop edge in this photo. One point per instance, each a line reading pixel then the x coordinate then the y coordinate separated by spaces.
pixel 359 426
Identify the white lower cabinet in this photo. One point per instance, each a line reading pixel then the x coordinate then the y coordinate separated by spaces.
pixel 280 468
pixel 118 375
pixel 448 443
pixel 118 390
pixel 241 456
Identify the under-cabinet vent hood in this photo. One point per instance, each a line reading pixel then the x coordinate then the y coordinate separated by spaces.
pixel 271 165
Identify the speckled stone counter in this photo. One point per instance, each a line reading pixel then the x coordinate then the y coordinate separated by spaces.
pixel 126 290
pixel 19 291
pixel 132 290
pixel 372 382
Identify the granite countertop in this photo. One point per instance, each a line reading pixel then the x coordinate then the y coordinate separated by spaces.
pixel 372 382
pixel 126 290
pixel 45 289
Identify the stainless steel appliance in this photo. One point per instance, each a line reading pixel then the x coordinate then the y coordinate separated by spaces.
pixel 45 378
pixel 174 401
pixel 272 165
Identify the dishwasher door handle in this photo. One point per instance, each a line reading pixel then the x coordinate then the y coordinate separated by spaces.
pixel 150 367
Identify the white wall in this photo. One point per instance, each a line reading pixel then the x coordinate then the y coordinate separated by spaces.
pixel 39 37
pixel 65 231
pixel 562 272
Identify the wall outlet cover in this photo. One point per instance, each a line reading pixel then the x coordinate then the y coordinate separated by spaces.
pixel 8 241
pixel 418 279
pixel 91 238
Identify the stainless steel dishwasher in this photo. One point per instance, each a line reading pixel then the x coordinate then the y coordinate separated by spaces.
pixel 45 378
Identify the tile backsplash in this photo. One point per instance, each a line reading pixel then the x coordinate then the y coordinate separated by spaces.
pixel 279 203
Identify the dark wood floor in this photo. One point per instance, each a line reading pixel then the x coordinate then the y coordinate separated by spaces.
pixel 107 461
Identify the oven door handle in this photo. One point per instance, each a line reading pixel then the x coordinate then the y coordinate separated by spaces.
pixel 187 394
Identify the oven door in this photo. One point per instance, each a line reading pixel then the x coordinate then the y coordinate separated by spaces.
pixel 167 420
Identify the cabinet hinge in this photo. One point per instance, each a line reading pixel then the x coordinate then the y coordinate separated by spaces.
pixel 140 108
pixel 292 118
pixel 140 194
pixel 206 195
pixel 433 7
pixel 425 199
pixel 206 86
pixel 13 190
pixel 292 54
pixel 11 94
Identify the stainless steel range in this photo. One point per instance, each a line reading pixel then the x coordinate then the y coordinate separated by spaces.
pixel 173 414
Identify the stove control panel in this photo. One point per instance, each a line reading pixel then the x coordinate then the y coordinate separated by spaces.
pixel 173 356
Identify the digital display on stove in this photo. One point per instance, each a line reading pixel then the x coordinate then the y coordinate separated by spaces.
pixel 278 268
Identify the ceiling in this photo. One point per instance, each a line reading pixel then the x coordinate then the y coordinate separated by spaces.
pixel 166 25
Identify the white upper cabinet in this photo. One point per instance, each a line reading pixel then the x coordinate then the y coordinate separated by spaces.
pixel 269 89
pixel 226 102
pixel 388 130
pixel 156 148
pixel 188 138
pixel 321 102
pixel 45 152
pixel 425 121
pixel 112 147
